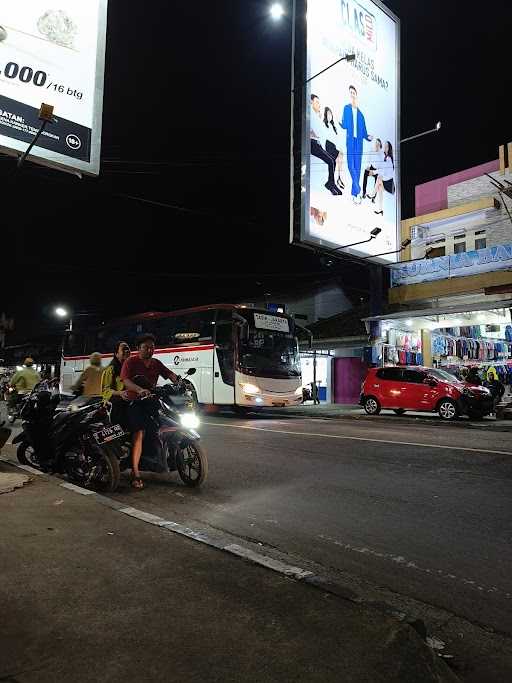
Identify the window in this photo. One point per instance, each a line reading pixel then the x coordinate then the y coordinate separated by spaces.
pixel 480 232
pixel 460 236
pixel 459 247
pixel 434 252
pixel 480 243
pixel 413 376
pixel 390 374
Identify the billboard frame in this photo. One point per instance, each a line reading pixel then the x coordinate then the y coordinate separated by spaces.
pixel 300 166
pixel 61 162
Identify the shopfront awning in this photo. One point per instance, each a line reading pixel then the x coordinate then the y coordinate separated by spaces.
pixel 442 311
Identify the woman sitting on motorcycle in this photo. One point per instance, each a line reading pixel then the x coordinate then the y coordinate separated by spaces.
pixel 112 386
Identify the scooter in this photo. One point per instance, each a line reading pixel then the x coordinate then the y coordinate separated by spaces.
pixel 80 443
pixel 172 442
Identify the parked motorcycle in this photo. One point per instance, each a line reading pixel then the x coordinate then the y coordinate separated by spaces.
pixel 15 403
pixel 80 443
pixel 172 442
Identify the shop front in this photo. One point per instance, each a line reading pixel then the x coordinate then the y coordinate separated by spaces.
pixel 455 338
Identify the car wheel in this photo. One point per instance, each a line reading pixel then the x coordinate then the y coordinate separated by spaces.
pixel 447 410
pixel 371 405
pixel 399 411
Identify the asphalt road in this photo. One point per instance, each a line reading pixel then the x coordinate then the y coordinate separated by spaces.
pixel 423 512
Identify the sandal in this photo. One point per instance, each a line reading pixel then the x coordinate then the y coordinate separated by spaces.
pixel 137 483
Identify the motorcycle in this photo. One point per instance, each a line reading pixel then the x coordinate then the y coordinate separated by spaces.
pixel 80 443
pixel 15 404
pixel 172 442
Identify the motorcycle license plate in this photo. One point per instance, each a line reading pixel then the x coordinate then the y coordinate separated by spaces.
pixel 108 434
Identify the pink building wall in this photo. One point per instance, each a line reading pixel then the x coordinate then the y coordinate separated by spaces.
pixel 433 196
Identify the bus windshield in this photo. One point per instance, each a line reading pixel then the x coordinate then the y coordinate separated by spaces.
pixel 268 353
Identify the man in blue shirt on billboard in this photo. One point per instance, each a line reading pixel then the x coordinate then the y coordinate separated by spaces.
pixel 353 122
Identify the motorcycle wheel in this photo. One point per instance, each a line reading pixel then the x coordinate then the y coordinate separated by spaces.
pixel 108 480
pixel 110 466
pixel 192 465
pixel 27 456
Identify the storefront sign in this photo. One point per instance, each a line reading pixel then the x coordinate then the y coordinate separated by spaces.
pixel 54 56
pixel 346 122
pixel 455 265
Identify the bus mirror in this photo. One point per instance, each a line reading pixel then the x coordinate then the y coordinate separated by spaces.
pixel 191 371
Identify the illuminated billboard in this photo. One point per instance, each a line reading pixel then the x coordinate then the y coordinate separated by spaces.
pixel 53 55
pixel 346 126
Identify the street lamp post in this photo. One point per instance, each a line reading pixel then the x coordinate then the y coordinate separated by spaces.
pixel 61 312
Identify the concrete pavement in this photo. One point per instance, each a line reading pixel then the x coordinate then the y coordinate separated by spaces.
pixel 91 594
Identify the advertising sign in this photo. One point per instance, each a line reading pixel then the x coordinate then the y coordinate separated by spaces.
pixel 455 265
pixel 53 54
pixel 346 126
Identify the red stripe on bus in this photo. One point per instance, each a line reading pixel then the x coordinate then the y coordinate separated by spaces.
pixel 173 349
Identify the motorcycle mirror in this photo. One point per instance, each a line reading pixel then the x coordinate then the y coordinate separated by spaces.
pixel 191 371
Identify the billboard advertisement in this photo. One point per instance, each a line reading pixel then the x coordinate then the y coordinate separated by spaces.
pixel 346 126
pixel 56 56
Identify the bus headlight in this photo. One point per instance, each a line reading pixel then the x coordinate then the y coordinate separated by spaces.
pixel 250 388
pixel 190 421
pixel 298 391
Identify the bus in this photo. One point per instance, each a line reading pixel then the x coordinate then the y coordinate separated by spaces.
pixel 244 357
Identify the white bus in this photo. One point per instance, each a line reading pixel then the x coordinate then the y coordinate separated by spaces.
pixel 244 357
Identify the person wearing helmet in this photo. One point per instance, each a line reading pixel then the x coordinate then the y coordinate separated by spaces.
pixel 89 382
pixel 24 380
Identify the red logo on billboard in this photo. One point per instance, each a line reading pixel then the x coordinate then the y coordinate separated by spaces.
pixel 369 25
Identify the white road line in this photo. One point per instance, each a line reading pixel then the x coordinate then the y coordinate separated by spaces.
pixel 404 563
pixel 362 438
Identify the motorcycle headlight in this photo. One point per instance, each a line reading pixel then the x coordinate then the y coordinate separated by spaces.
pixel 190 421
pixel 250 388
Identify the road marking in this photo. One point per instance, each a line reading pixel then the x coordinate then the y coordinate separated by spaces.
pixel 408 564
pixel 362 438
pixel 269 562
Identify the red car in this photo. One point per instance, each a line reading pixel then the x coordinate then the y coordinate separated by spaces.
pixel 423 389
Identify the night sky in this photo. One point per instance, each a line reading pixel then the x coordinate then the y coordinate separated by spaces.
pixel 197 117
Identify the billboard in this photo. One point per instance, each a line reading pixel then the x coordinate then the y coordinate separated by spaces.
pixel 55 56
pixel 346 126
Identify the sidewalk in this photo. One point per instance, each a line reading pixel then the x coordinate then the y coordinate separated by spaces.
pixel 90 594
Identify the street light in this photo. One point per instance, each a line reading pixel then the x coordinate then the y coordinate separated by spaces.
pixel 436 129
pixel 276 11
pixel 373 235
pixel 346 58
pixel 404 245
pixel 62 312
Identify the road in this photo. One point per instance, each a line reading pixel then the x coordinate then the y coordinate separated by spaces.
pixel 423 512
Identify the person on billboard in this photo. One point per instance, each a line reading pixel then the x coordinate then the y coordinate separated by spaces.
pixel 333 145
pixel 385 179
pixel 376 159
pixel 318 140
pixel 354 123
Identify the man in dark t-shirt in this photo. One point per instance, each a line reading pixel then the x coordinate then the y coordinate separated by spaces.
pixel 149 369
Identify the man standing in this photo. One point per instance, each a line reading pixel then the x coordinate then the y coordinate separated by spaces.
pixel 377 158
pixel 140 375
pixel 318 138
pixel 353 122
pixel 90 379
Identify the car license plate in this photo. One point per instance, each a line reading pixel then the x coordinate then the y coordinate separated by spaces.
pixel 109 434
